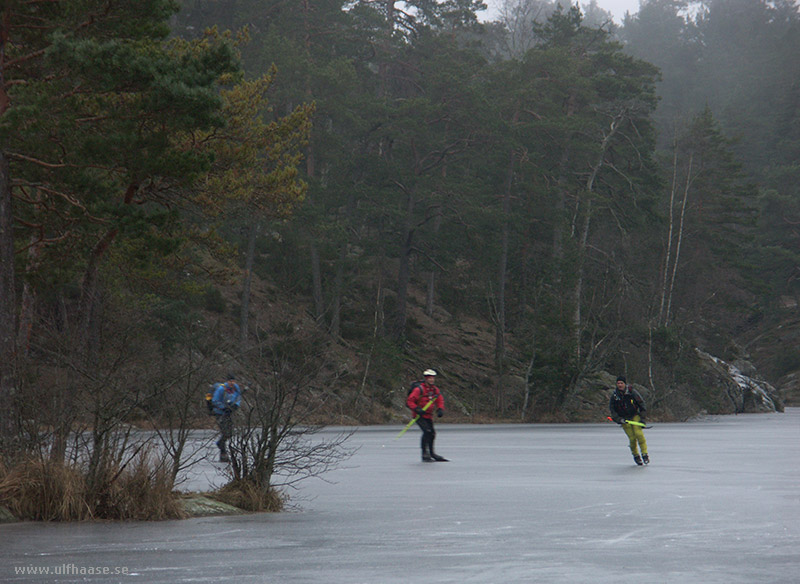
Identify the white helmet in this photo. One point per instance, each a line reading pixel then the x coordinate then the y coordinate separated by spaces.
pixel 429 372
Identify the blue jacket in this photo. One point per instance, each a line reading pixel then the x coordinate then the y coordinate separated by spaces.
pixel 227 397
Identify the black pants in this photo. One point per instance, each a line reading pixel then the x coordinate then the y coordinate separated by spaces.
pixel 225 424
pixel 428 434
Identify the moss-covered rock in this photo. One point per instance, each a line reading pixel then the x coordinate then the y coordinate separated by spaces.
pixel 196 505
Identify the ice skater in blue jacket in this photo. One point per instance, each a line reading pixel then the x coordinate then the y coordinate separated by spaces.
pixel 225 401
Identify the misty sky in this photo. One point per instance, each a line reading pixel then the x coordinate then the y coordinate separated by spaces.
pixel 619 7
pixel 616 7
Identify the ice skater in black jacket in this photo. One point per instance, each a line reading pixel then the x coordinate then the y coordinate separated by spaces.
pixel 627 404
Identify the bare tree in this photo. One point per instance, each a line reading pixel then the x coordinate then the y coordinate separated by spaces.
pixel 666 298
pixel 518 17
pixel 274 444
pixel 178 387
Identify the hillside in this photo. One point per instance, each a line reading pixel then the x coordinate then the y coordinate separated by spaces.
pixel 366 381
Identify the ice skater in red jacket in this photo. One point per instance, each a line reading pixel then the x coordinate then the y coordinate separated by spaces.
pixel 423 401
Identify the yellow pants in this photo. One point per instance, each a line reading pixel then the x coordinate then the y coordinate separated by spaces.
pixel 636 436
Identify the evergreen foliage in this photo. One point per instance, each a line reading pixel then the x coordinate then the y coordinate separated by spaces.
pixel 590 192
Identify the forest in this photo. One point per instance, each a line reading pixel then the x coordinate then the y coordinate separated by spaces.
pixel 327 197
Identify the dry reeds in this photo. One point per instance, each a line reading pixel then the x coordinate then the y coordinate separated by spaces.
pixel 46 490
pixel 249 496
pixel 141 491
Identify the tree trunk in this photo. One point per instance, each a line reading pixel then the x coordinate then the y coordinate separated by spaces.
pixel 404 269
pixel 430 296
pixel 8 301
pixel 316 283
pixel 561 205
pixel 528 375
pixel 338 290
pixel 668 253
pixel 502 268
pixel 689 180
pixel 338 282
pixel 311 170
pixel 560 213
pixel 88 299
pixel 577 319
pixel 246 284
pixel 61 423
pixel 385 45
pixel 27 301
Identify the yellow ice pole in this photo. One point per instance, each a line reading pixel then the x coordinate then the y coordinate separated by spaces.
pixel 411 423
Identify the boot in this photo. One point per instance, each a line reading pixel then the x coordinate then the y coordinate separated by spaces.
pixel 426 455
pixel 645 458
pixel 638 459
pixel 438 458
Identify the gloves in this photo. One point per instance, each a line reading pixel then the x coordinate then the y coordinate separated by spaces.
pixel 439 413
pixel 419 411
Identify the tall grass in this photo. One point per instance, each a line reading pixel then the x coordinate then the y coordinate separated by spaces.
pixel 247 495
pixel 46 490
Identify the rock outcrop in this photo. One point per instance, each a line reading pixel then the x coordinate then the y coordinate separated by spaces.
pixel 745 393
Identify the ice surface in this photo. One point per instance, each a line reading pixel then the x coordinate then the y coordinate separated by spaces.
pixel 720 503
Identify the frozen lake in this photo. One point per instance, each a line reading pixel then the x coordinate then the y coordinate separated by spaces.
pixel 720 503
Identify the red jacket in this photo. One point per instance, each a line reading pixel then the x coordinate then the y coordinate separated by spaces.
pixel 421 395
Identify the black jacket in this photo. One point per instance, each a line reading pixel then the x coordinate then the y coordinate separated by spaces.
pixel 626 404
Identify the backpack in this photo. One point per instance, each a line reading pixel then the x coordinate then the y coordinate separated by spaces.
pixel 414 386
pixel 210 397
